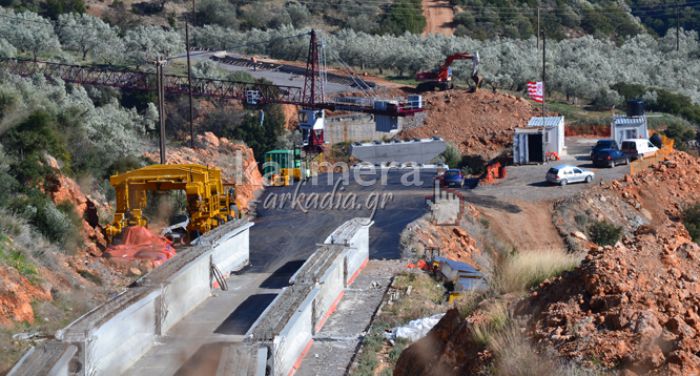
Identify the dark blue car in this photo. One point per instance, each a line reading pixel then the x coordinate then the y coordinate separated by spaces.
pixel 609 158
pixel 453 178
pixel 604 144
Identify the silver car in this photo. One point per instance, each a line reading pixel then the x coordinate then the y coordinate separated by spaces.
pixel 565 174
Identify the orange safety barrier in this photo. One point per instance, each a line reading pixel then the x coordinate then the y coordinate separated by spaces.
pixel 551 156
pixel 494 171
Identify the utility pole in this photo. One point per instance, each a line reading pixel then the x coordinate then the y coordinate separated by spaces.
pixel 189 81
pixel 538 25
pixel 544 72
pixel 161 106
pixel 678 26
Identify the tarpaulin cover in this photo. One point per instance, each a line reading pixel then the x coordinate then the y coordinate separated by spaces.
pixel 138 243
pixel 415 329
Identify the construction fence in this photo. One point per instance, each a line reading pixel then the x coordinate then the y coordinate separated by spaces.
pixel 642 163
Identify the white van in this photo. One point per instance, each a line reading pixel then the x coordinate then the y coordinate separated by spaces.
pixel 638 148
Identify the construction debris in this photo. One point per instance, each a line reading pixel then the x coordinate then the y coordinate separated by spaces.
pixel 415 329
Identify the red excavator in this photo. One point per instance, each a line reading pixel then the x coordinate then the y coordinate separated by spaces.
pixel 441 77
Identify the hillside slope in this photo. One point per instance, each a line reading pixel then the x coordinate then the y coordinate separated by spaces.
pixel 479 124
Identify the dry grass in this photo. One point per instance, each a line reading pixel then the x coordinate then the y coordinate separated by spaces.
pixel 497 318
pixel 522 270
pixel 427 297
pixel 514 354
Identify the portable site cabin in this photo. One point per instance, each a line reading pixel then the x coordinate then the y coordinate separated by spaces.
pixel 630 126
pixel 464 276
pixel 541 136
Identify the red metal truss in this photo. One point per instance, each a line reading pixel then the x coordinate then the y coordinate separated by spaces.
pixel 107 75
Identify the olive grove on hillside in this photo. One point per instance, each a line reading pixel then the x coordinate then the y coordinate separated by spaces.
pixel 583 67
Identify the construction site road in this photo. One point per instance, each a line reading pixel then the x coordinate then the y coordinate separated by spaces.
pixel 284 235
pixel 439 17
pixel 277 77
pixel 527 183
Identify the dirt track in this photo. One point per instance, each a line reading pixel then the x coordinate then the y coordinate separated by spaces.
pixel 439 16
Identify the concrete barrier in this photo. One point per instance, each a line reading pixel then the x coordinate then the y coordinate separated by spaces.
pixel 298 313
pixel 424 151
pixel 295 339
pixel 112 337
pixel 355 235
pixel 331 288
pixel 51 359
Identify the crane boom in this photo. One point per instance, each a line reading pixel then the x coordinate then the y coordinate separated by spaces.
pixel 249 93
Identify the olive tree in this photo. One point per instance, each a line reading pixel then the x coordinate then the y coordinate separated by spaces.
pixel 145 44
pixel 86 34
pixel 28 32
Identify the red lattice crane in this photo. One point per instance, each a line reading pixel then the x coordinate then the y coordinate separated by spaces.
pixel 310 98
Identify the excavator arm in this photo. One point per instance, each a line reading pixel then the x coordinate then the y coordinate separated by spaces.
pixel 443 74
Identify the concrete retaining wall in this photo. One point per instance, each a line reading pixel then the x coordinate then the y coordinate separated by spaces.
pixel 424 151
pixel 51 358
pixel 330 291
pixel 290 345
pixel 185 291
pixel 189 287
pixel 112 337
pixel 355 235
pixel 118 343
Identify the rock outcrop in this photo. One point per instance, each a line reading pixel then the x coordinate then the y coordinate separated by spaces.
pixel 236 160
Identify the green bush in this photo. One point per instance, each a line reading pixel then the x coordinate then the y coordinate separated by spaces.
pixel 18 261
pixel 451 156
pixel 691 220
pixel 604 233
pixel 54 8
pixel 129 162
pixel 60 223
pixel 260 137
pixel 404 15
pixel 680 133
pixel 666 101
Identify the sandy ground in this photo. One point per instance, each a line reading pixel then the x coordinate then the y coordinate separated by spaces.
pixel 531 229
pixel 439 17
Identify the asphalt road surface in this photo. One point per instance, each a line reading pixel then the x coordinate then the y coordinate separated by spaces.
pixel 276 77
pixel 286 234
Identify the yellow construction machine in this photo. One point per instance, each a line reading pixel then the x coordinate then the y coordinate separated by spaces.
pixel 209 203
pixel 283 167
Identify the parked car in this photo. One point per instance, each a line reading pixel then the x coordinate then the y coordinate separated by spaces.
pixel 453 178
pixel 604 144
pixel 565 174
pixel 638 148
pixel 609 158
